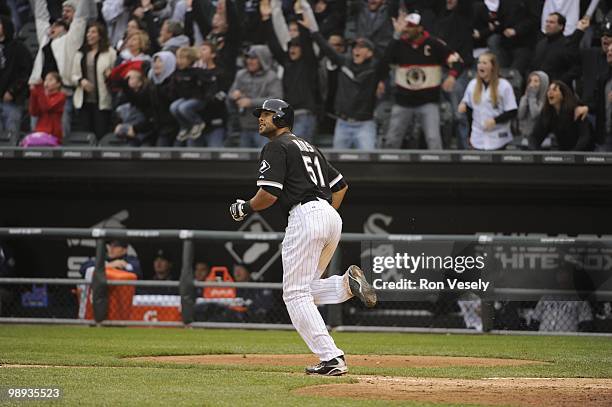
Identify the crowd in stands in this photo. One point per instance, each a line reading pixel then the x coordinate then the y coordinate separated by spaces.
pixel 436 74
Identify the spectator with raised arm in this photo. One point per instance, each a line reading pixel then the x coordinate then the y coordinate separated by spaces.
pixel 92 65
pixel 299 76
pixel 58 44
pixel 420 59
pixel 224 30
pixel 556 54
pixel 559 117
pixel 15 67
pixel 47 103
pixel 490 104
pixel 356 92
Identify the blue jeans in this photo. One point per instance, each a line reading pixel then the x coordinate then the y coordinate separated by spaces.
pixel 359 135
pixel 401 118
pixel 460 122
pixel 210 138
pixel 67 115
pixel 252 138
pixel 304 126
pixel 185 111
pixel 10 116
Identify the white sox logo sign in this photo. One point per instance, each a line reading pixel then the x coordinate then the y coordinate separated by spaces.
pixel 264 166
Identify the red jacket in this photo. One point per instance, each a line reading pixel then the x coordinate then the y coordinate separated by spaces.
pixel 49 109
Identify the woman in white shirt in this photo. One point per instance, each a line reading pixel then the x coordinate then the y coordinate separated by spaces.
pixel 490 104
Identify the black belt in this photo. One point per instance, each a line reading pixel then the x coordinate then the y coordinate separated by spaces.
pixel 309 199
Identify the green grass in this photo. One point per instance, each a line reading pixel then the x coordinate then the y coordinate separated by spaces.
pixel 108 378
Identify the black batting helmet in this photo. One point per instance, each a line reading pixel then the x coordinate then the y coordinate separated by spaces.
pixel 283 116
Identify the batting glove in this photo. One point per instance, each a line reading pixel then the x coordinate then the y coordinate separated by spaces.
pixel 240 210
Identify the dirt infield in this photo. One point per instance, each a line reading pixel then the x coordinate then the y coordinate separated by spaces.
pixel 494 391
pixel 352 360
pixel 522 392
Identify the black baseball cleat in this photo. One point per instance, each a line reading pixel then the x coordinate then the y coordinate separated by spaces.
pixel 334 367
pixel 360 287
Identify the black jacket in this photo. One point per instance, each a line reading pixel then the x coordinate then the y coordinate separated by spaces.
pixel 455 28
pixel 356 93
pixel 559 57
pixel 522 16
pixel 572 135
pixel 300 77
pixel 15 66
pixel 191 83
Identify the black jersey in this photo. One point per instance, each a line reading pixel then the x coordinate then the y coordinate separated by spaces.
pixel 296 172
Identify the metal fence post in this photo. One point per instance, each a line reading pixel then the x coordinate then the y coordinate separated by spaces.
pixel 186 286
pixel 335 311
pixel 99 287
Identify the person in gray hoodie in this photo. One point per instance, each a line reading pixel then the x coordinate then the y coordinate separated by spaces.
pixel 252 85
pixel 531 103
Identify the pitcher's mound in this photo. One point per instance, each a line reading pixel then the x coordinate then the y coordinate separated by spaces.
pixel 352 360
pixel 523 392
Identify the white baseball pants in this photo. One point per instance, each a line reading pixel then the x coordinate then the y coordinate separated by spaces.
pixel 311 237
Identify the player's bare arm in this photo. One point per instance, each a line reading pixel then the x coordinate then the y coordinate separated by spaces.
pixel 338 196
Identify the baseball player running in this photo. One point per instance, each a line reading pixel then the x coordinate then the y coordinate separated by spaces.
pixel 298 176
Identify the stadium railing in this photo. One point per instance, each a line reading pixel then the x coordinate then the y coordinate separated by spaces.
pixel 258 305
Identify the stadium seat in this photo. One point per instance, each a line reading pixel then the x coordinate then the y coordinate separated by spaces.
pixel 9 138
pixel 111 140
pixel 80 138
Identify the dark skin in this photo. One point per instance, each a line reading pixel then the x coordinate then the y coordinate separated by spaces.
pixel 263 199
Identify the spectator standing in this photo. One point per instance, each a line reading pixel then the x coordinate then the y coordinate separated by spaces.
pixel 47 103
pixel 224 30
pixel 556 54
pixel 166 127
pixel 489 101
pixel 516 32
pixel 191 88
pixel 559 118
pixel 454 26
pixel 15 67
pixel 532 102
pixel 92 65
pixel 420 59
pixel 597 85
pixel 58 44
pixel 568 8
pixel 162 271
pixel 328 83
pixel 253 84
pixel 299 76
